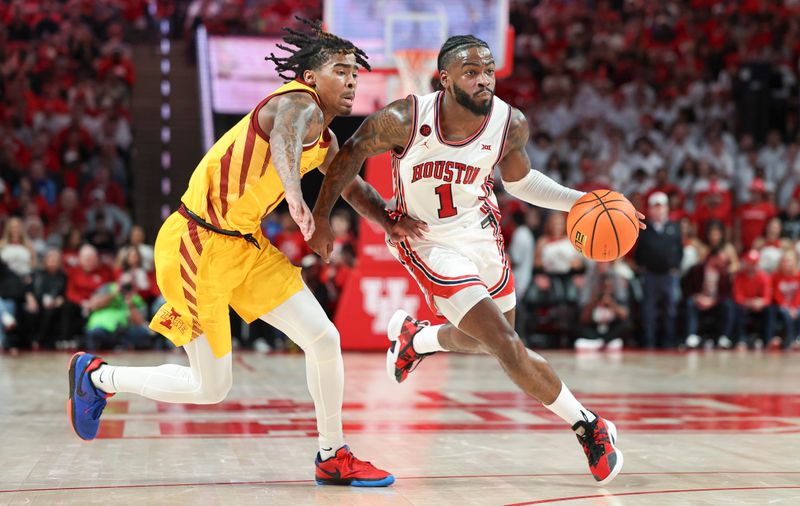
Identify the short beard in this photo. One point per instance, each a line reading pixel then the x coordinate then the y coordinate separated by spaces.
pixel 463 98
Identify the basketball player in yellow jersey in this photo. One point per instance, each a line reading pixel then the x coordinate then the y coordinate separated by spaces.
pixel 211 254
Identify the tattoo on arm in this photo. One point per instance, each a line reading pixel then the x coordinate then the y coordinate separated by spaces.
pixel 386 129
pixel 366 200
pixel 515 163
pixel 361 196
pixel 297 115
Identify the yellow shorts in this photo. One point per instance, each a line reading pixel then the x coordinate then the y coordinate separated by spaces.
pixel 200 273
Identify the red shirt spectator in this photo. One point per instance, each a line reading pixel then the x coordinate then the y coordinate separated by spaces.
pixel 290 241
pixel 712 205
pixel 752 286
pixel 102 181
pixel 89 275
pixel 754 215
pixel 786 289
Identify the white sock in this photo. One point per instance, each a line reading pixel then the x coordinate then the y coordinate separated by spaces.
pixel 567 407
pixel 427 340
pixel 327 452
pixel 103 379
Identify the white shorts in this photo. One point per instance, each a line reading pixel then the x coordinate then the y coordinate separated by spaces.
pixel 456 275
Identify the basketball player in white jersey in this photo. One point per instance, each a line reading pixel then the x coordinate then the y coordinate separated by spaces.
pixel 445 146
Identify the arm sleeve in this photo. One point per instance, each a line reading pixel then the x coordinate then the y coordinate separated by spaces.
pixel 537 189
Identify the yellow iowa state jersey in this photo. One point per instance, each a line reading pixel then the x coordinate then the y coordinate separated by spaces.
pixel 235 184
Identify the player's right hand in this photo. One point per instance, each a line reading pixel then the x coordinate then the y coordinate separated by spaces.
pixel 301 214
pixel 407 227
pixel 322 240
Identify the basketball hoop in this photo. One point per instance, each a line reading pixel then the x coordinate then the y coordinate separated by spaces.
pixel 416 68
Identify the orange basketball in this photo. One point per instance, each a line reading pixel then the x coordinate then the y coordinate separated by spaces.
pixel 602 225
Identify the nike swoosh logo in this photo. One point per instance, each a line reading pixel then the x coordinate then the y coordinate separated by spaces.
pixel 80 391
pixel 335 475
pixel 324 449
pixel 101 376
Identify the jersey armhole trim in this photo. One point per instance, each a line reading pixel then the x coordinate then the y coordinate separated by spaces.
pixel 254 118
pixel 503 140
pixel 413 135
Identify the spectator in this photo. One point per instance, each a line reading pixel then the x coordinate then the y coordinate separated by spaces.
pixel 521 252
pixel 694 251
pixel 132 272
pixel 34 229
pixel 342 227
pixel 83 281
pixel 136 239
pixel 713 204
pixel 708 289
pixel 68 213
pixel 290 240
pixel 113 193
pixel 752 293
pixel 752 217
pixel 770 246
pixel 716 241
pixel 658 255
pixel 790 220
pixel 785 301
pixel 604 317
pixel 106 219
pixel 312 276
pixel 12 289
pixel 16 250
pixel 338 272
pixel 117 319
pixel 70 249
pixel 556 260
pixel 44 301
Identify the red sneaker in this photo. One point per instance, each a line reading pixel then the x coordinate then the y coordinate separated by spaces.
pixel 345 469
pixel 598 439
pixel 401 358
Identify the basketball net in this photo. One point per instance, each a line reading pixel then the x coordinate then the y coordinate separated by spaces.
pixel 416 68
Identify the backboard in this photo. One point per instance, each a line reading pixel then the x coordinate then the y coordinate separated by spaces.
pixel 392 31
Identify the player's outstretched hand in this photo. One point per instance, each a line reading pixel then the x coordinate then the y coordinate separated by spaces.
pixel 301 214
pixel 641 220
pixel 322 240
pixel 407 227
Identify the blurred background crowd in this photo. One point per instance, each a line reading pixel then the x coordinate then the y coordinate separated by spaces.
pixel 689 108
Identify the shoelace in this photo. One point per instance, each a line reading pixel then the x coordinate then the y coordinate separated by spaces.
pixel 594 440
pixel 405 356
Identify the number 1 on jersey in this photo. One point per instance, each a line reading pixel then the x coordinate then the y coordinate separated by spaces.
pixel 446 207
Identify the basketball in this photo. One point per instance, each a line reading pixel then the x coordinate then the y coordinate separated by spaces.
pixel 602 225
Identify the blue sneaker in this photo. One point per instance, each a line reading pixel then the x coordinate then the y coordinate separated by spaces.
pixel 86 402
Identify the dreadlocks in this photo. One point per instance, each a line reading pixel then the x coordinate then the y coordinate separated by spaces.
pixel 455 43
pixel 313 49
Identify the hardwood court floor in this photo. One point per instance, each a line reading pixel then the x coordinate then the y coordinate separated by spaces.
pixel 700 428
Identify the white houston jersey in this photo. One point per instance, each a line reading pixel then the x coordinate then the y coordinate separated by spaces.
pixel 448 185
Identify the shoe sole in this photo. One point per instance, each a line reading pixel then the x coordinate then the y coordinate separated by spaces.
pixel 70 400
pixel 393 330
pixel 385 482
pixel 612 432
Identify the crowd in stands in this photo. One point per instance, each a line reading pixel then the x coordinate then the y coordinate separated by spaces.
pixel 687 107
pixel 72 263
pixel 690 109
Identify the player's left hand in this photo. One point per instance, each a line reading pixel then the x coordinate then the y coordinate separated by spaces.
pixel 407 227
pixel 322 239
pixel 641 217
